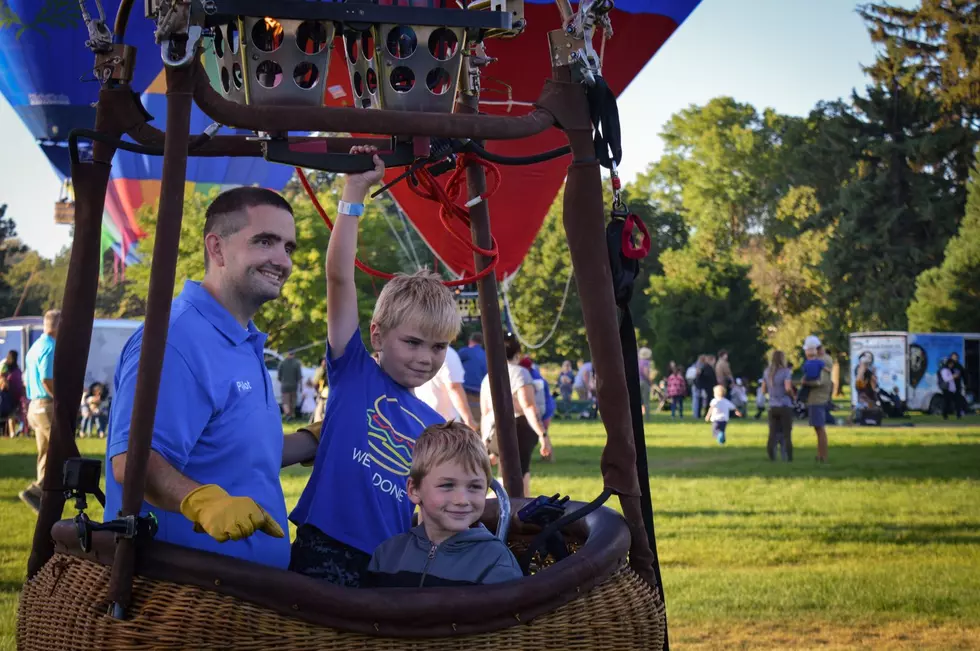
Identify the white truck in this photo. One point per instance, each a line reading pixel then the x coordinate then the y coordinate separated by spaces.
pixel 108 338
pixel 907 364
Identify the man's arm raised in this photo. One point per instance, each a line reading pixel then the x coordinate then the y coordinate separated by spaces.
pixel 341 251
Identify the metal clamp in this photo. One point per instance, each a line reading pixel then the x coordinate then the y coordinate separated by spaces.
pixel 99 35
pixel 178 50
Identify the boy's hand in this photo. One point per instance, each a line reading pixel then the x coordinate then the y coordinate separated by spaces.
pixel 357 185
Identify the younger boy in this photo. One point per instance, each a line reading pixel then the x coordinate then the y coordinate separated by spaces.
pixel 448 482
pixel 812 366
pixel 718 413
pixel 356 497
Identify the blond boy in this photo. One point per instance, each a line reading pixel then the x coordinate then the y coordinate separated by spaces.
pixel 449 479
pixel 356 497
pixel 719 411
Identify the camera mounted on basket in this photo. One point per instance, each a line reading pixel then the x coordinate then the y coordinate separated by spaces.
pixel 81 478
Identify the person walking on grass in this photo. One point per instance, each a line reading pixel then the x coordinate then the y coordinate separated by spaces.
pixel 719 411
pixel 39 384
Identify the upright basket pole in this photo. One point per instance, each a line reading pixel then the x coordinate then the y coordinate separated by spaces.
pixel 180 87
pixel 77 317
pixel 583 216
pixel 493 334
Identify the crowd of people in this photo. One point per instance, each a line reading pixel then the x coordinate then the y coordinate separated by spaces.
pixel 718 394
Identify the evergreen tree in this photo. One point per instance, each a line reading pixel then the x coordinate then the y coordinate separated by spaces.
pixel 940 42
pixel 947 297
pixel 899 210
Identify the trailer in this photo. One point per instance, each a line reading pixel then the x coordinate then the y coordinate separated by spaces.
pixel 907 364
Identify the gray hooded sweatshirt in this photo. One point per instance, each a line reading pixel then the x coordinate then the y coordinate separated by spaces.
pixel 471 557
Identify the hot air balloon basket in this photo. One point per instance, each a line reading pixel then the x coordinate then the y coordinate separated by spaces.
pixel 65 606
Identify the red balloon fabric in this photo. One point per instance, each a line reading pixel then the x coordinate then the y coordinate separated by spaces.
pixel 510 86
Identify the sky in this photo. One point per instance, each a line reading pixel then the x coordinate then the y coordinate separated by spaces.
pixel 783 54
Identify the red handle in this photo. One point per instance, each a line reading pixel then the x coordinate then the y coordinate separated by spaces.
pixel 631 250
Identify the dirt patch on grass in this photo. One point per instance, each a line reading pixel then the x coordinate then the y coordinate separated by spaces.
pixel 824 636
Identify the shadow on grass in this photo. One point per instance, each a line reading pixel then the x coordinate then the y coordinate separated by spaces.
pixel 880 461
pixel 964 533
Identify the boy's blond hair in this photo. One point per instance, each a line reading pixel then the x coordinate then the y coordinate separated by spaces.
pixel 419 299
pixel 719 391
pixel 446 442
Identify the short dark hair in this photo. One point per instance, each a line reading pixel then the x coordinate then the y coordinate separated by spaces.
pixel 226 214
pixel 477 338
pixel 511 346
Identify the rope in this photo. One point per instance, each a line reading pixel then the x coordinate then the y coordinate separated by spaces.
pixel 554 326
pixel 429 188
pixel 447 198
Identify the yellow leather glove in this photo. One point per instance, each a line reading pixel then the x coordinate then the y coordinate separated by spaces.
pixel 223 517
pixel 313 429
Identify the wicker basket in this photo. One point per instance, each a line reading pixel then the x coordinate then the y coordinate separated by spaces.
pixel 64 607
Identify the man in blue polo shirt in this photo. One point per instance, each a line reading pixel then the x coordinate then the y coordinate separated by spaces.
pixel 39 386
pixel 213 474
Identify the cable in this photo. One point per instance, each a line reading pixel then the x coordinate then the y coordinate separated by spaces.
pixel 518 160
pixel 554 326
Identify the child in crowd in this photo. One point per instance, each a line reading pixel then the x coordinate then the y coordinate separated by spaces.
pixel 449 479
pixel 357 496
pixel 566 381
pixel 719 412
pixel 676 390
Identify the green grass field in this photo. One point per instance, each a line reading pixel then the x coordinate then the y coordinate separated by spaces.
pixel 878 549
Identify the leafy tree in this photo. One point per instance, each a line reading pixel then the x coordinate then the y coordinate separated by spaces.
pixel 536 291
pixel 720 171
pixel 786 275
pixel 707 306
pixel 299 317
pixel 9 247
pixel 947 297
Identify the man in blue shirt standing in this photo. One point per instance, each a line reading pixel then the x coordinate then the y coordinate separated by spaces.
pixel 474 360
pixel 213 474
pixel 39 386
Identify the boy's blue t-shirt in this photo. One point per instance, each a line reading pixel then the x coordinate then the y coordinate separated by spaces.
pixel 357 492
pixel 812 369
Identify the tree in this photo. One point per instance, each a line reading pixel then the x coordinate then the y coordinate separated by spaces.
pixel 786 275
pixel 939 44
pixel 536 291
pixel 704 310
pixel 299 317
pixel 897 212
pixel 720 171
pixel 10 247
pixel 947 297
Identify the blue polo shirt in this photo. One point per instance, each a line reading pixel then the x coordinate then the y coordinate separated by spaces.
pixel 38 366
pixel 474 361
pixel 217 421
pixel 357 492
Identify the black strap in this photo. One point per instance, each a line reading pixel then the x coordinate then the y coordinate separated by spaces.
pixel 604 112
pixel 627 337
pixel 624 273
